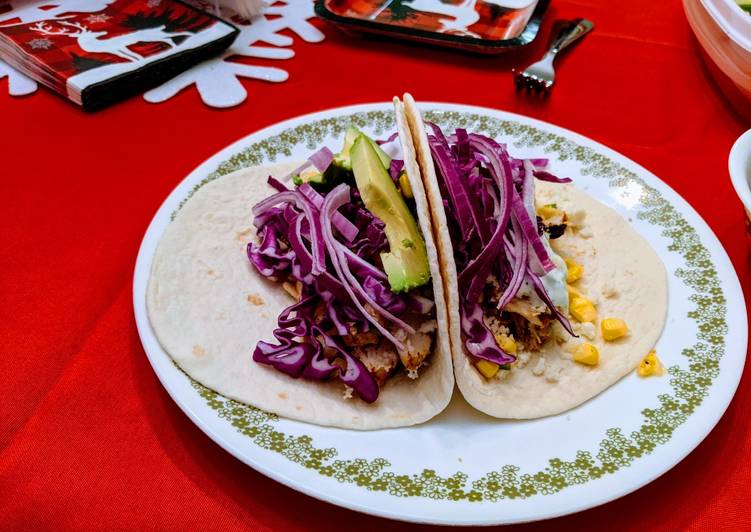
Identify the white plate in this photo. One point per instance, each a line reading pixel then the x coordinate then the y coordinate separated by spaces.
pixel 463 467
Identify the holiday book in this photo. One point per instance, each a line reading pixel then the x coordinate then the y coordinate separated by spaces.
pixel 95 52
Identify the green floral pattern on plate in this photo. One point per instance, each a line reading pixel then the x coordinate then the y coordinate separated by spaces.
pixel 616 450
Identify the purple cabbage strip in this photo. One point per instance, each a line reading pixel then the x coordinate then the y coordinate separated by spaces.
pixel 276 184
pixel 322 159
pixel 543 175
pixel 478 338
pixel 347 229
pixel 481 182
pixel 335 199
pixel 397 165
pixel 295 233
pixel 319 255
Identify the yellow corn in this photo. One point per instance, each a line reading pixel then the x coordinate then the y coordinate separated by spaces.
pixel 548 211
pixel 573 292
pixel 651 365
pixel 582 309
pixel 575 271
pixel 487 368
pixel 587 354
pixel 404 185
pixel 506 343
pixel 613 328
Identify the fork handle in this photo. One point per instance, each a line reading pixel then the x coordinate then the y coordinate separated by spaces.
pixel 570 32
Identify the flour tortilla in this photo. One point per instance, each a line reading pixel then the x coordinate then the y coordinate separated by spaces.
pixel 623 276
pixel 208 307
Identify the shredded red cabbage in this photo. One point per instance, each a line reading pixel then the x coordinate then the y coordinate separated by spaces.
pixel 342 289
pixel 489 200
pixel 322 159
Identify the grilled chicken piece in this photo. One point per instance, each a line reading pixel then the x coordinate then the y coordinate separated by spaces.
pixel 417 346
pixel 526 309
pixel 379 359
pixel 356 339
pixel 532 336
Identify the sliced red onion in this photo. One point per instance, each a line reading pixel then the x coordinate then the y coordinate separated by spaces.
pixel 334 200
pixel 322 159
pixel 347 229
pixel 543 175
pixel 518 267
pixel 395 169
pixel 276 184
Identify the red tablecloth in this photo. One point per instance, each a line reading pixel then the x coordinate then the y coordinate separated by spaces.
pixel 88 437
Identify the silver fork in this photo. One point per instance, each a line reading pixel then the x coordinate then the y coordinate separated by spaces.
pixel 540 76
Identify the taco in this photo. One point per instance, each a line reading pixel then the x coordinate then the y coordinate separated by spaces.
pixel 311 291
pixel 552 296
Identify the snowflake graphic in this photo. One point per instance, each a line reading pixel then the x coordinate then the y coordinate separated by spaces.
pixel 97 19
pixel 218 79
pixel 30 11
pixel 40 44
pixel 18 84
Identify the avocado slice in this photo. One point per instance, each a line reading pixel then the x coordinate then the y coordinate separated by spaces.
pixel 406 264
pixel 309 175
pixel 342 160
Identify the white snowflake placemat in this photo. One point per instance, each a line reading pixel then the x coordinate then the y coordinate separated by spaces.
pixel 218 79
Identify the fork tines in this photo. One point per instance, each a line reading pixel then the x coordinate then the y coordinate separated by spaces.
pixel 531 82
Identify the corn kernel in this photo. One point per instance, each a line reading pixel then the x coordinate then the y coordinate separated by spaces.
pixel 651 365
pixel 582 309
pixel 506 343
pixel 613 328
pixel 404 186
pixel 549 211
pixel 587 354
pixel 487 368
pixel 575 271
pixel 573 292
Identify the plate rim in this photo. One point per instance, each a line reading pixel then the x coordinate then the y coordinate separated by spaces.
pixel 720 260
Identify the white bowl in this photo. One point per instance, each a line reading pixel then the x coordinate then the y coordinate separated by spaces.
pixel 739 165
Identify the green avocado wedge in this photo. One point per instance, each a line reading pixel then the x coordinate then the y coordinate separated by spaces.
pixel 342 160
pixel 406 264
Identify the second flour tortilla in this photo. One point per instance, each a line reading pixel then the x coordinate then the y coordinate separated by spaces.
pixel 623 276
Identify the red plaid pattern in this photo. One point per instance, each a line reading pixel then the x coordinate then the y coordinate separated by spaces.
pixel 495 23
pixel 53 58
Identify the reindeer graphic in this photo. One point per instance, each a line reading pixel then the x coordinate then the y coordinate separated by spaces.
pixel 464 14
pixel 36 10
pixel 90 41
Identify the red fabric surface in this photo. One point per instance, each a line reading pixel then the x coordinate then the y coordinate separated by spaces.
pixel 88 437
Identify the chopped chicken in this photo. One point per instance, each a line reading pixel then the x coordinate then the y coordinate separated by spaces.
pixel 355 338
pixel 370 310
pixel 293 289
pixel 496 326
pixel 320 312
pixel 532 336
pixel 417 347
pixel 525 308
pixel 379 359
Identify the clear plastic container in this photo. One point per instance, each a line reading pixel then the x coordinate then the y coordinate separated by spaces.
pixel 723 30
